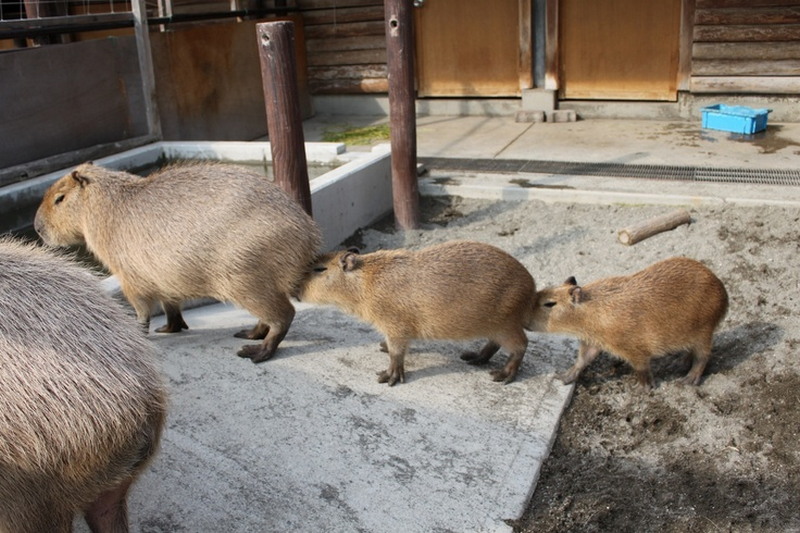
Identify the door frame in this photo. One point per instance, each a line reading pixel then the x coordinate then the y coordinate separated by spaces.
pixel 552 54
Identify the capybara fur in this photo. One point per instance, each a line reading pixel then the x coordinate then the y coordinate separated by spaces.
pixel 190 230
pixel 456 290
pixel 82 404
pixel 671 306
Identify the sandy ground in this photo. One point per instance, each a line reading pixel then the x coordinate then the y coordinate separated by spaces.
pixel 723 456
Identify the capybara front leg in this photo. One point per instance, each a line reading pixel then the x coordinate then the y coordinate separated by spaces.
pixel 109 512
pixel 175 322
pixel 482 357
pixel 396 371
pixel 586 354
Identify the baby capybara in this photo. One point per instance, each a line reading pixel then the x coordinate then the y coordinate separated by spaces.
pixel 190 230
pixel 82 404
pixel 670 306
pixel 456 290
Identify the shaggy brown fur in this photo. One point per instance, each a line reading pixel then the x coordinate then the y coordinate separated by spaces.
pixel 82 404
pixel 189 231
pixel 670 306
pixel 455 290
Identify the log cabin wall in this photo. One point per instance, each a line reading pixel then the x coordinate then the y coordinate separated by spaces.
pixel 746 47
pixel 346 46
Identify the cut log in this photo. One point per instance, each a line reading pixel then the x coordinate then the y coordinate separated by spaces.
pixel 648 228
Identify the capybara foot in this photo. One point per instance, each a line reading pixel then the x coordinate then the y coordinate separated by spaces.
pixel 384 347
pixel 503 375
pixel 474 358
pixel 257 333
pixel 690 379
pixel 392 376
pixel 255 352
pixel 568 377
pixel 172 327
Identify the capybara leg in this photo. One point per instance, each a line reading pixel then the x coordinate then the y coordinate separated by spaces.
pixel 142 305
pixel 586 354
pixel 283 313
pixel 644 376
pixel 515 346
pixel 109 512
pixel 259 331
pixel 175 322
pixel 700 357
pixel 482 357
pixel 396 371
pixel 384 348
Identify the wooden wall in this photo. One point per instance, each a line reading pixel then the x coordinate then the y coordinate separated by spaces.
pixel 346 46
pixel 746 46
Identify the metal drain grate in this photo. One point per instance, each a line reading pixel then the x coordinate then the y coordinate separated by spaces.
pixel 619 170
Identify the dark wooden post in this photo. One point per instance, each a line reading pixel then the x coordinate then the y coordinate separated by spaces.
pixel 402 114
pixel 284 121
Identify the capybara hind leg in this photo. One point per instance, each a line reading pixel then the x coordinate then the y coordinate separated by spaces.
pixel 700 357
pixel 259 331
pixel 109 512
pixel 644 376
pixel 515 346
pixel 586 354
pixel 482 357
pixel 396 371
pixel 175 322
pixel 283 314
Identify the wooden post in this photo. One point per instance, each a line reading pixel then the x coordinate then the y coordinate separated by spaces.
pixel 284 121
pixel 402 113
pixel 638 232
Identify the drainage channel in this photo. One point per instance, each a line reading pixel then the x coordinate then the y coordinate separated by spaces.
pixel 619 170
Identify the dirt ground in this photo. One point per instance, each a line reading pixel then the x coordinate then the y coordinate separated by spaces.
pixel 723 456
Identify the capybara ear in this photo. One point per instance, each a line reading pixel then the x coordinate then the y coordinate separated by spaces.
pixel 577 294
pixel 349 261
pixel 354 250
pixel 79 178
pixel 571 281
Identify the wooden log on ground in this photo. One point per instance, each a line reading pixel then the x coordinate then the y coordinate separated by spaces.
pixel 648 228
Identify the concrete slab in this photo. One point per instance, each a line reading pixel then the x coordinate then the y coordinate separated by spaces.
pixel 310 441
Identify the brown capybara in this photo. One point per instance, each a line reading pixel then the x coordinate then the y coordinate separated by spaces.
pixel 82 404
pixel 191 230
pixel 670 306
pixel 456 290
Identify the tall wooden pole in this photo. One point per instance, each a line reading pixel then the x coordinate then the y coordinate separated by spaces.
pixel 284 120
pixel 402 113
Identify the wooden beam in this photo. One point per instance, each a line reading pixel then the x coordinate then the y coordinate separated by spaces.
pixel 749 33
pixel 685 50
pixel 764 51
pixel 341 15
pixel 525 65
pixel 749 15
pixel 745 67
pixel 348 57
pixel 369 42
pixel 746 84
pixel 351 29
pixel 704 4
pixel 551 74
pixel 145 55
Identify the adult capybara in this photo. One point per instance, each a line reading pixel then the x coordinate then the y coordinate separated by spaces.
pixel 455 290
pixel 82 404
pixel 191 230
pixel 670 306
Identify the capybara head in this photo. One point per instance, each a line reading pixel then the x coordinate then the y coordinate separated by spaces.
pixel 59 219
pixel 335 279
pixel 557 305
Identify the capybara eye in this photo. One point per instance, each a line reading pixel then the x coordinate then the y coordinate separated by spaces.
pixel 549 304
pixel 320 269
pixel 59 199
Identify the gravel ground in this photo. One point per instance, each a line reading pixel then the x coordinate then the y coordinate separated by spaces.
pixel 723 456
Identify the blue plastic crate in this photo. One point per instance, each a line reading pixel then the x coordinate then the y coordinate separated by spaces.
pixel 738 119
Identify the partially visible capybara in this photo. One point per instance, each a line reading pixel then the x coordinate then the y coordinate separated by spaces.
pixel 455 290
pixel 670 306
pixel 191 230
pixel 82 404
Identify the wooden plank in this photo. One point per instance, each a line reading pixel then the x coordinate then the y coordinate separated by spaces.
pixel 347 57
pixel 350 86
pixel 749 33
pixel 707 4
pixel 348 72
pixel 749 15
pixel 343 15
pixel 746 84
pixel 685 44
pixel 765 51
pixel 346 43
pixel 744 67
pixel 351 29
pixel 322 4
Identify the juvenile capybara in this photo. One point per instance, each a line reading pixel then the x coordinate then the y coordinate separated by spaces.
pixel 670 306
pixel 82 404
pixel 456 290
pixel 191 230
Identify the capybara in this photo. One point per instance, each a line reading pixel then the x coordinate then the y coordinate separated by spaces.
pixel 670 306
pixel 82 404
pixel 456 290
pixel 190 230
